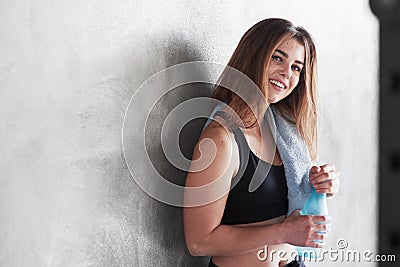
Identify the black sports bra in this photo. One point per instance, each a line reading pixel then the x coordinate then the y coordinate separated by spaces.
pixel 268 201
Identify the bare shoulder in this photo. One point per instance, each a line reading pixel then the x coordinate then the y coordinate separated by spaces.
pixel 222 136
pixel 215 153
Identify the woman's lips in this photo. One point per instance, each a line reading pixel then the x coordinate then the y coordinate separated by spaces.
pixel 277 85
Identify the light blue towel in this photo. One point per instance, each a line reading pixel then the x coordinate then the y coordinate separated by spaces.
pixel 296 160
pixel 294 154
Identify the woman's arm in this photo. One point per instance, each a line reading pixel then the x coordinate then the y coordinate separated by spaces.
pixel 204 233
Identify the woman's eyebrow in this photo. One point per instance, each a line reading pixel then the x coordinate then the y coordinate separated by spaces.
pixel 286 56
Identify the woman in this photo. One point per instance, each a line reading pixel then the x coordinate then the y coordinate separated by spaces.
pixel 281 60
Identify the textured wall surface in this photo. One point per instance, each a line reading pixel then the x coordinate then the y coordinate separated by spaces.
pixel 67 72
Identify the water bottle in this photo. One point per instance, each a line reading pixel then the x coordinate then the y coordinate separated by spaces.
pixel 315 205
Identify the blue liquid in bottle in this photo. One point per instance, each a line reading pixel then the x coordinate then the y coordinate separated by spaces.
pixel 315 205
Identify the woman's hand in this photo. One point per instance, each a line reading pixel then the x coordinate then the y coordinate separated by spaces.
pixel 325 179
pixel 302 230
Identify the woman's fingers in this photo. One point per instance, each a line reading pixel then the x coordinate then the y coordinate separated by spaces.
pixel 320 219
pixel 330 186
pixel 323 176
pixel 321 228
pixel 308 229
pixel 325 179
pixel 316 170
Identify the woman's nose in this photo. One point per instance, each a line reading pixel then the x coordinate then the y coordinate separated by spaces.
pixel 286 71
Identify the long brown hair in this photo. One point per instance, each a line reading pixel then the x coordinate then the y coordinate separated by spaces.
pixel 252 57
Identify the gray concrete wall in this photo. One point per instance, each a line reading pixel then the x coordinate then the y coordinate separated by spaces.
pixel 67 73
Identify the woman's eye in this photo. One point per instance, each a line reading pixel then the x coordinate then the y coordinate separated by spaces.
pixel 277 58
pixel 296 68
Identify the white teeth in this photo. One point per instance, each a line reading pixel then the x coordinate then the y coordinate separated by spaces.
pixel 278 84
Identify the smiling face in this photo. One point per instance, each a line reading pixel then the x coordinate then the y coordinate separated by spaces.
pixel 284 69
